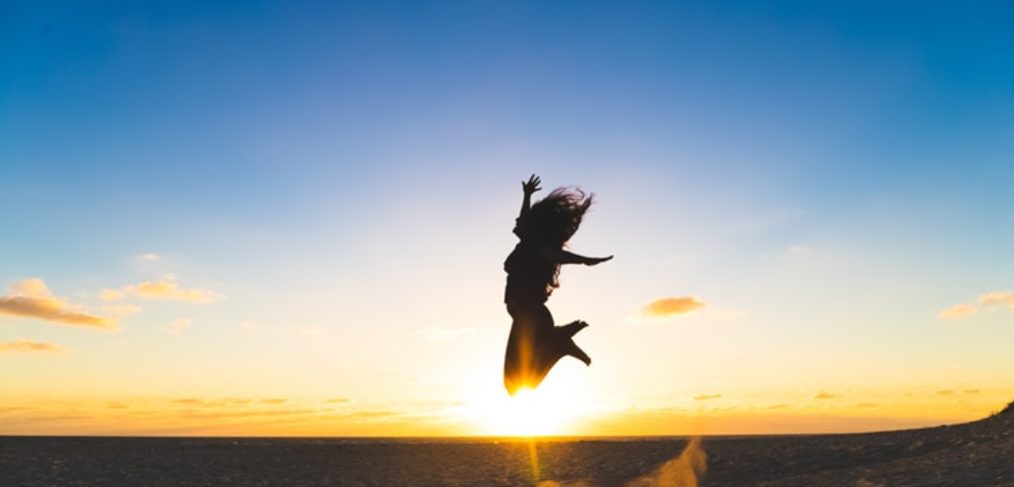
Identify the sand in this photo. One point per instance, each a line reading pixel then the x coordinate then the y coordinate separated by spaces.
pixel 972 454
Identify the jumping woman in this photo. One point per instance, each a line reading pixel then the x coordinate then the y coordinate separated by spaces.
pixel 533 268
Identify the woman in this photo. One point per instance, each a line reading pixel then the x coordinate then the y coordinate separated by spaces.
pixel 535 343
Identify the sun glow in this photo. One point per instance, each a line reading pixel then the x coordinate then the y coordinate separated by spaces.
pixel 528 413
pixel 531 412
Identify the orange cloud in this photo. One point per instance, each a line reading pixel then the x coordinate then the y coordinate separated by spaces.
pixel 705 397
pixel 273 400
pixel 31 298
pixel 666 307
pixel 29 346
pixel 997 298
pixel 959 311
pixel 825 395
pixel 991 299
pixel 165 289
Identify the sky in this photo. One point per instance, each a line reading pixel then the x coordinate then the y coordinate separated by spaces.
pixel 290 218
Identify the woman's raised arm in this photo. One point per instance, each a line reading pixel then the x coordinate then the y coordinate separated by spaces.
pixel 529 187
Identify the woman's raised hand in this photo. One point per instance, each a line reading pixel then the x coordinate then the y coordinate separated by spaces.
pixel 532 185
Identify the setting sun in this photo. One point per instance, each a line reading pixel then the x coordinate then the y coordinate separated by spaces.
pixel 546 411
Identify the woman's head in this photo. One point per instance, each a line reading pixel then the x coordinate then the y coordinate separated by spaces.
pixel 554 219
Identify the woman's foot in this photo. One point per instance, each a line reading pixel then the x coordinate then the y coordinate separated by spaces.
pixel 571 329
pixel 575 351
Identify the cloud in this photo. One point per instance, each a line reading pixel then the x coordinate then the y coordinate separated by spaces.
pixel 121 311
pixel 666 307
pixel 988 300
pixel 825 395
pixel 273 400
pixel 997 298
pixel 29 346
pixel 705 397
pixel 179 326
pixel 958 311
pixel 166 289
pixel 31 298
pixel 149 257
pixel 945 392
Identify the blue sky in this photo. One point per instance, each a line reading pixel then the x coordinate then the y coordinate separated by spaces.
pixel 838 174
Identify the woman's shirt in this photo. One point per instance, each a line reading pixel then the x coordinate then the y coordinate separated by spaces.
pixel 529 275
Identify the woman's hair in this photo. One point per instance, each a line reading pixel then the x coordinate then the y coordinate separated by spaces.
pixel 555 218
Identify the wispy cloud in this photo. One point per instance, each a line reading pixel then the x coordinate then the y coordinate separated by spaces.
pixel 958 311
pixel 29 346
pixel 989 300
pixel 179 326
pixel 667 307
pixel 997 298
pixel 273 400
pixel 705 397
pixel 149 257
pixel 31 298
pixel 165 289
pixel 120 311
pixel 825 395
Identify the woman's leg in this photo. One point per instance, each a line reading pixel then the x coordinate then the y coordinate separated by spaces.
pixel 535 345
pixel 521 357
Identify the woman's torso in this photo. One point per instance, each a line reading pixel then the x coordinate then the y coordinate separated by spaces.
pixel 529 275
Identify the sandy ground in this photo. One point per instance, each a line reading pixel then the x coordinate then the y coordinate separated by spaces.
pixel 974 454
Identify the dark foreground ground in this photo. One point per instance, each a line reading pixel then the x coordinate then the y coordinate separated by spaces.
pixel 974 454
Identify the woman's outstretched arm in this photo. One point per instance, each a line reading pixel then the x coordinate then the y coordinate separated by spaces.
pixel 561 256
pixel 529 187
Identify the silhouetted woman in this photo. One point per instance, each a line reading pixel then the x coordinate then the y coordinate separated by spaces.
pixel 535 343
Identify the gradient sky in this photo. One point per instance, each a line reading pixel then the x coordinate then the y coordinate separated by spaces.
pixel 290 218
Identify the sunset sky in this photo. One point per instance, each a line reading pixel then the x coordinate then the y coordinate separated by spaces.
pixel 288 218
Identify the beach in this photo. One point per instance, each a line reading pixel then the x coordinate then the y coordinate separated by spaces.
pixel 977 453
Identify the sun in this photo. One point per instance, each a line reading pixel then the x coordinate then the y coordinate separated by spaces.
pixel 546 411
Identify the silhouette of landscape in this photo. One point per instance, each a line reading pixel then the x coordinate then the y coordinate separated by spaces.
pixel 975 453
